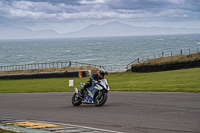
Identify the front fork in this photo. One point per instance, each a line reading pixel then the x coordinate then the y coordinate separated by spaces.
pixel 76 90
pixel 77 93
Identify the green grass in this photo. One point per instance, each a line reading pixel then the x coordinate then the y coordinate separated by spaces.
pixel 6 131
pixel 184 80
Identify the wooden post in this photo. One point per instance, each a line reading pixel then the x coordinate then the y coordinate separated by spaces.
pixel 154 55
pixel 171 53
pixel 70 64
pixel 197 49
pixel 189 51
pixel 181 52
pixel 162 54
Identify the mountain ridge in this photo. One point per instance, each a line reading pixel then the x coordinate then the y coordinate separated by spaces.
pixel 110 29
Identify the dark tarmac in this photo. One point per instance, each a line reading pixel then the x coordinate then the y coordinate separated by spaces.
pixel 131 112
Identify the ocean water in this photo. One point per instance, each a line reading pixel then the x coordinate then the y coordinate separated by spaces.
pixel 106 51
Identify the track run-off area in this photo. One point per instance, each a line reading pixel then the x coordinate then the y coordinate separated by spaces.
pixel 131 112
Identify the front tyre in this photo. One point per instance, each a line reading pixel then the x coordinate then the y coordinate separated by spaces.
pixel 76 101
pixel 99 101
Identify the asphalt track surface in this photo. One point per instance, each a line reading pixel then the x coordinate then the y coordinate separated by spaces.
pixel 131 112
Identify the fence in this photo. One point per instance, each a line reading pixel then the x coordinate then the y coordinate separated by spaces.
pixel 163 54
pixel 133 62
pixel 113 68
pixel 46 65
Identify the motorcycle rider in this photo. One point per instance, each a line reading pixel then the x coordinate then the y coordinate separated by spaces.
pixel 94 78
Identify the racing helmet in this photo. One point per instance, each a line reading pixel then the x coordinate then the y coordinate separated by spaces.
pixel 101 72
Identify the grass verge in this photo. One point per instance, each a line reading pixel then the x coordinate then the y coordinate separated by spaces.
pixel 6 131
pixel 170 60
pixel 184 80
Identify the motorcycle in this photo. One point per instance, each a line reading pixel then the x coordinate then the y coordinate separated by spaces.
pixel 96 94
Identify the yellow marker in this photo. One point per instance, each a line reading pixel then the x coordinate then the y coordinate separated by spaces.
pixel 35 125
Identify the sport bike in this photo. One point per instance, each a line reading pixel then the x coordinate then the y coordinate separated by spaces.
pixel 96 94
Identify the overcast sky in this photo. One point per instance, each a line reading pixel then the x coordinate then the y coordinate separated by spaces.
pixel 71 15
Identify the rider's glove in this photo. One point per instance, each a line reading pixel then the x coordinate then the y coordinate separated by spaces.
pixel 96 82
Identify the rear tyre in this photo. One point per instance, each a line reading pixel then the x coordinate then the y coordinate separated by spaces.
pixel 99 101
pixel 76 101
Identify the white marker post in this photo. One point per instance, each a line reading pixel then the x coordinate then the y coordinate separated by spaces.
pixel 71 82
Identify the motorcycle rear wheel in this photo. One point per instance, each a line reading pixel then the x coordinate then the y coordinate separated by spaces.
pixel 100 101
pixel 76 101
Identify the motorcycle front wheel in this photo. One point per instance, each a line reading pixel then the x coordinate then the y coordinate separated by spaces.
pixel 99 101
pixel 76 101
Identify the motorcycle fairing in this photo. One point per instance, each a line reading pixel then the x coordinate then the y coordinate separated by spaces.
pixel 82 84
pixel 90 97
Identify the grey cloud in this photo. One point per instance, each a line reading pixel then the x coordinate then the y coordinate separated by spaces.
pixel 39 11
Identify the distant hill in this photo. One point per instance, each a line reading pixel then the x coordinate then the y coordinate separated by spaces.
pixel 109 29
pixel 11 32
pixel 119 29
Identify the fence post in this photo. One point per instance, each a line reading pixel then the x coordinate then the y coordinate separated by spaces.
pixel 181 51
pixel 154 55
pixel 70 64
pixel 189 51
pixel 197 49
pixel 138 60
pixel 162 54
pixel 171 53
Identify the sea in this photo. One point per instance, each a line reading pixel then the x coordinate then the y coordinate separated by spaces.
pixel 105 51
